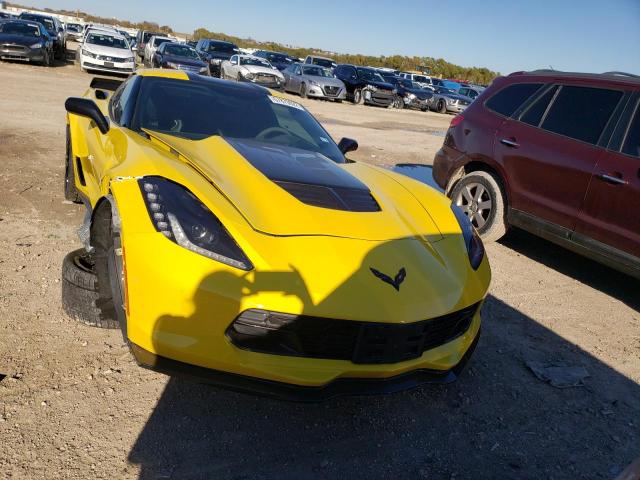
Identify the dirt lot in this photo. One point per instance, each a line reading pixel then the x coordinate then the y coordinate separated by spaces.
pixel 73 404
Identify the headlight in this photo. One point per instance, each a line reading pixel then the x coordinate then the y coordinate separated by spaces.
pixel 451 100
pixel 312 82
pixel 248 75
pixel 172 65
pixel 182 218
pixel 475 248
pixel 36 45
pixel 130 59
pixel 215 61
pixel 87 53
pixel 394 91
pixel 411 96
pixel 204 69
pixel 373 88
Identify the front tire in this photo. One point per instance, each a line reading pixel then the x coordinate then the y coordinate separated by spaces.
pixel 441 106
pixel 481 197
pixel 303 91
pixel 358 97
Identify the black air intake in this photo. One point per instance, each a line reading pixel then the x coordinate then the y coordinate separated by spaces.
pixel 335 198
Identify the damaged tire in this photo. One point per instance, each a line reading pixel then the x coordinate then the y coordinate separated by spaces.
pixel 358 97
pixel 80 292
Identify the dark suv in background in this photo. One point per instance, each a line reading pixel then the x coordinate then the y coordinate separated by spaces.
pixel 279 60
pixel 54 28
pixel 214 52
pixel 366 85
pixel 554 153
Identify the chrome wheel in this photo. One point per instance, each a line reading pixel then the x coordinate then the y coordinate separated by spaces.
pixel 476 203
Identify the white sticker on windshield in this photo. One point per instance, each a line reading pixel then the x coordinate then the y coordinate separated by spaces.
pixel 285 102
pixel 322 139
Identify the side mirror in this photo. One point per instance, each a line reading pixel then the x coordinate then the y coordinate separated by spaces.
pixel 87 108
pixel 347 145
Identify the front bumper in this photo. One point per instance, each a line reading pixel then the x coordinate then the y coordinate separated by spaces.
pixel 456 107
pixel 416 103
pixel 380 98
pixel 111 67
pixel 299 393
pixel 275 85
pixel 21 53
pixel 317 91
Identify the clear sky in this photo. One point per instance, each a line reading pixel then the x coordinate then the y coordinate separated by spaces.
pixel 503 35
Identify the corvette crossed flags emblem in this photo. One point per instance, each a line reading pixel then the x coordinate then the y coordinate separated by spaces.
pixel 394 282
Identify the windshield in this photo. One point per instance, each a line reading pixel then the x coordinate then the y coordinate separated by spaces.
pixel 159 41
pixel 317 71
pixel 106 41
pixel 222 47
pixel 277 57
pixel 22 29
pixel 369 75
pixel 197 110
pixel 47 22
pixel 74 27
pixel 146 36
pixel 258 62
pixel 323 62
pixel 181 51
pixel 421 79
pixel 406 83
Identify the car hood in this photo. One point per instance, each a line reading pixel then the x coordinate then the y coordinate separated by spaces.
pixel 421 94
pixel 247 172
pixel 382 85
pixel 325 81
pixel 265 70
pixel 183 60
pixel 455 96
pixel 20 39
pixel 107 51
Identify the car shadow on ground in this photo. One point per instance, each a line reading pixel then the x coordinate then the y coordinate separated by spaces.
pixel 598 276
pixel 497 421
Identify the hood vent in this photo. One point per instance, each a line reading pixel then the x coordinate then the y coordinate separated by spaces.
pixel 335 198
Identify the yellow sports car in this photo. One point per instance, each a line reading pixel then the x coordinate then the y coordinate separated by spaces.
pixel 230 239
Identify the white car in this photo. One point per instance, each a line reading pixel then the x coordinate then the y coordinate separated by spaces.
pixel 247 68
pixel 423 81
pixel 106 52
pixel 151 47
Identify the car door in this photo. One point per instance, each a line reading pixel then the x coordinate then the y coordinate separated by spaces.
pixel 232 67
pixel 295 78
pixel 550 150
pixel 611 211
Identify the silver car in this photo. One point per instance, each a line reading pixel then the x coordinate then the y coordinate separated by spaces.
pixel 313 81
pixel 445 100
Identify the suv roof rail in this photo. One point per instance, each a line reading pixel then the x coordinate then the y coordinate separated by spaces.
pixel 622 74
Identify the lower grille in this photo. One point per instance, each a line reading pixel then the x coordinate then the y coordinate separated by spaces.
pixel 359 342
pixel 14 49
pixel 264 78
pixel 332 91
pixel 95 65
pixel 335 198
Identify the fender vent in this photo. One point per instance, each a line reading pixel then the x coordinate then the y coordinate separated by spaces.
pixel 335 198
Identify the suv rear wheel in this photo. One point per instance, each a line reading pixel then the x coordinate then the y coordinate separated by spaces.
pixel 482 200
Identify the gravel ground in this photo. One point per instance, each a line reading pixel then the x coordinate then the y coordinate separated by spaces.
pixel 73 404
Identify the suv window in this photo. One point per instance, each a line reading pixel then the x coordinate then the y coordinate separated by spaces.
pixel 509 99
pixel 632 142
pixel 581 112
pixel 535 112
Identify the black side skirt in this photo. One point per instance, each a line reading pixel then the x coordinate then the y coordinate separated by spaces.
pixel 285 391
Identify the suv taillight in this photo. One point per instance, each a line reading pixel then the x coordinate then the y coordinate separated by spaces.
pixel 455 121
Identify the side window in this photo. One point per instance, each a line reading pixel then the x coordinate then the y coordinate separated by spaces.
pixel 120 99
pixel 581 112
pixel 298 71
pixel 509 99
pixel 533 115
pixel 631 144
pixel 464 91
pixel 351 72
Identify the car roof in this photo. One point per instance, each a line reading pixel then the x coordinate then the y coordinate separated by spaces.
pixel 31 23
pixel 213 40
pixel 616 77
pixel 323 58
pixel 38 15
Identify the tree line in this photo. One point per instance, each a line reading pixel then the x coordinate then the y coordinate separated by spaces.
pixel 436 66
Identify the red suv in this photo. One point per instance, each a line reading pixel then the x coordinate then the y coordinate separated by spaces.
pixel 554 153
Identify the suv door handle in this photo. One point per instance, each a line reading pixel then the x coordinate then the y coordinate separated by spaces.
pixel 509 142
pixel 612 179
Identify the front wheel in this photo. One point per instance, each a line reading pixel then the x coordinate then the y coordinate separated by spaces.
pixel 303 91
pixel 398 103
pixel 481 198
pixel 441 107
pixel 357 97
